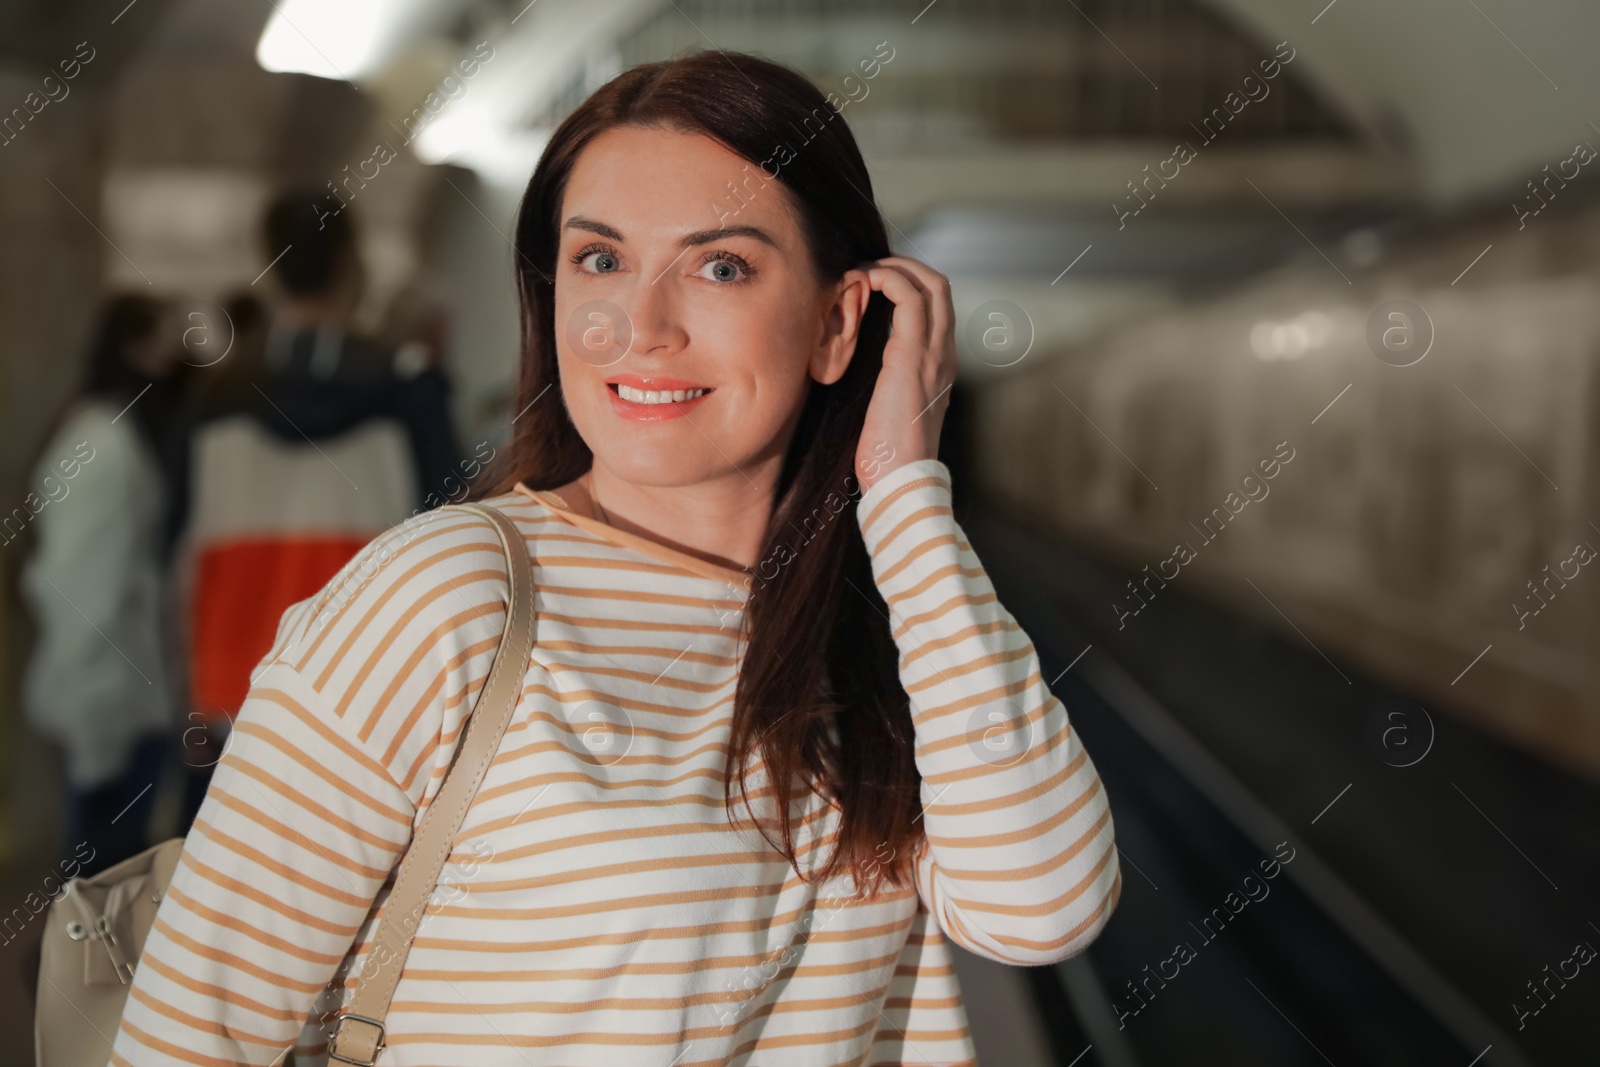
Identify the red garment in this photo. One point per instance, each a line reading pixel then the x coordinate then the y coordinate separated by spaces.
pixel 230 636
pixel 271 521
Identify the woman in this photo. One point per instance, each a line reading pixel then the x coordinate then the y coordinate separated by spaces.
pixel 707 382
pixel 97 681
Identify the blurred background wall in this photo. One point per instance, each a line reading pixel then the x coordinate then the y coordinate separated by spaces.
pixel 1177 231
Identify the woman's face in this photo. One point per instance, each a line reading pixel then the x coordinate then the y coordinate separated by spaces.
pixel 653 305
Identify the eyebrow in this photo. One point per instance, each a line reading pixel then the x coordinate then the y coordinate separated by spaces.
pixel 688 240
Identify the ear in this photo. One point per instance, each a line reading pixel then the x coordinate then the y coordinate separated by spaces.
pixel 841 325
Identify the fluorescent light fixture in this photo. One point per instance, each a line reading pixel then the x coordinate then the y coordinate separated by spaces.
pixel 327 38
pixel 343 39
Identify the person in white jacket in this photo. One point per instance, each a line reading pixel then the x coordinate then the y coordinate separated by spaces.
pixel 97 681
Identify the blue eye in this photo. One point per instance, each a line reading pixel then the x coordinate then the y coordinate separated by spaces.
pixel 605 260
pixel 726 268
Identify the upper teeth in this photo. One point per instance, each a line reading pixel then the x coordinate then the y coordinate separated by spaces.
pixel 653 396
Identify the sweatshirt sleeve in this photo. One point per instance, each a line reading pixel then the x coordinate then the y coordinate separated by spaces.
pixel 1020 864
pixel 340 745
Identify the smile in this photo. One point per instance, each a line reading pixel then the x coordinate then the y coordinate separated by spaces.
pixel 642 396
pixel 647 399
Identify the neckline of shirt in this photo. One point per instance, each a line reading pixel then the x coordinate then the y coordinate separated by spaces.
pixel 573 505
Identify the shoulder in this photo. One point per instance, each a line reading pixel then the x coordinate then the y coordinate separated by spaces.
pixel 93 426
pixel 400 640
pixel 92 447
pixel 425 571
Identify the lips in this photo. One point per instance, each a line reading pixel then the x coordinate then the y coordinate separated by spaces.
pixel 647 398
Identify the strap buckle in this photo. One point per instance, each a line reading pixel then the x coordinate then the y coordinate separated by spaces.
pixel 338 1032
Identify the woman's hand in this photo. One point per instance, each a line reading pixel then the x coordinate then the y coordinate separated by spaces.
pixel 919 364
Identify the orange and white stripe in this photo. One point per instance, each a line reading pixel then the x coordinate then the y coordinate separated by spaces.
pixel 602 905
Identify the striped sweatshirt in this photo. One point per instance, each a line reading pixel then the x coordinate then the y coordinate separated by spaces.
pixel 602 904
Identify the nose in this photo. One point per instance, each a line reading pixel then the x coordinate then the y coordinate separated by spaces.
pixel 653 317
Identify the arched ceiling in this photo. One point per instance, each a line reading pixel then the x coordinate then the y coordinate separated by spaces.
pixel 1029 110
pixel 1482 93
pixel 1486 91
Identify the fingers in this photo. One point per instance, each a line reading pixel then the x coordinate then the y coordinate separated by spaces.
pixel 908 281
pixel 935 286
pixel 909 299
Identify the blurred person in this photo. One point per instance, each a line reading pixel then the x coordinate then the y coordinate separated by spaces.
pixel 241 366
pixel 303 444
pixel 97 683
pixel 777 743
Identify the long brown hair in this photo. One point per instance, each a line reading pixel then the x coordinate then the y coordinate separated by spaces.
pixel 819 654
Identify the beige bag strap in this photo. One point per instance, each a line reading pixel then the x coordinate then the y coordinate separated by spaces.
pixel 359 1034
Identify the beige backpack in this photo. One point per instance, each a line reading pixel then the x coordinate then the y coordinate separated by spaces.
pixel 96 927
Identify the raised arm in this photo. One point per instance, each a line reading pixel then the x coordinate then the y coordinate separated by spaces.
pixel 1020 865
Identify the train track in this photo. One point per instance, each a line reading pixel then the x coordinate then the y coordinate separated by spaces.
pixel 1309 971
